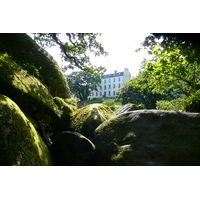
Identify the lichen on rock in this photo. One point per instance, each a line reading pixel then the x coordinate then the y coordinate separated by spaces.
pixel 20 144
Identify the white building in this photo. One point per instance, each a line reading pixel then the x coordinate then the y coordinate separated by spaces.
pixel 110 84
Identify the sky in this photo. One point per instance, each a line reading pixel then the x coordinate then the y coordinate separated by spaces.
pixel 121 49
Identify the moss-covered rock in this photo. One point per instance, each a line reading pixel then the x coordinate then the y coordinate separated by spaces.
pixel 33 58
pixel 67 107
pixel 149 137
pixel 29 94
pixel 85 120
pixel 73 149
pixel 26 90
pixel 20 144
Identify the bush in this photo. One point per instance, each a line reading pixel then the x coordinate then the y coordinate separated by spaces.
pixel 173 105
pixel 115 107
pixel 192 103
pixel 109 102
pixel 100 100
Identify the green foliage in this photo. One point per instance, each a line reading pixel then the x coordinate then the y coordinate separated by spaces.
pixel 99 100
pixel 82 83
pixel 115 107
pixel 74 48
pixel 137 91
pixel 109 102
pixel 173 105
pixel 32 70
pixel 192 103
pixel 174 68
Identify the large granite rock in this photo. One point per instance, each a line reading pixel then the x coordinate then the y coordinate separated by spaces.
pixel 20 144
pixel 85 120
pixel 149 137
pixel 72 149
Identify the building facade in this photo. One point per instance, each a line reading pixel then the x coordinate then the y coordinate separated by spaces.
pixel 110 84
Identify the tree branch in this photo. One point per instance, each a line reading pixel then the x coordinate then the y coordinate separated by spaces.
pixel 70 38
pixel 54 36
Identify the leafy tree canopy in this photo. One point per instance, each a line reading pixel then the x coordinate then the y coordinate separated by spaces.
pixel 136 91
pixel 175 64
pixel 74 48
pixel 82 83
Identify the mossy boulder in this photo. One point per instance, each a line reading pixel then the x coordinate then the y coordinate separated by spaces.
pixel 126 108
pixel 73 149
pixel 20 144
pixel 29 94
pixel 25 51
pixel 67 107
pixel 149 137
pixel 26 90
pixel 86 119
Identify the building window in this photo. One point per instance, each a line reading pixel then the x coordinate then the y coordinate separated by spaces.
pixel 119 79
pixel 109 86
pixel 92 94
pixel 109 80
pixel 96 93
pixel 114 86
pixel 114 80
pixel 108 93
pixel 114 93
pixel 105 81
pixel 119 85
pixel 100 94
pixel 104 87
pixel 104 94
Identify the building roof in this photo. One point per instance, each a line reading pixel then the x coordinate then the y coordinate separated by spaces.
pixel 112 75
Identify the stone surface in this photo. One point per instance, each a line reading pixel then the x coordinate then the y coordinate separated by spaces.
pixel 126 108
pixel 20 144
pixel 88 118
pixel 149 137
pixel 73 149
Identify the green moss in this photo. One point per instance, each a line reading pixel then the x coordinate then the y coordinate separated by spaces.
pixel 36 61
pixel 66 105
pixel 85 120
pixel 18 84
pixel 66 108
pixel 20 144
